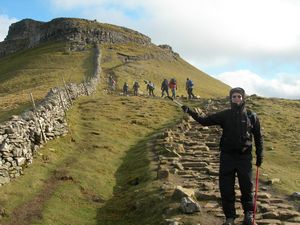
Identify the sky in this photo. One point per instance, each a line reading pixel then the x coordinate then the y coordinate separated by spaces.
pixel 254 44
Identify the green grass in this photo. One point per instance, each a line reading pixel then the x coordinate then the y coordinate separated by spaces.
pixel 36 71
pixel 281 129
pixel 110 150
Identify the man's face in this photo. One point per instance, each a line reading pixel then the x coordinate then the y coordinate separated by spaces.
pixel 236 98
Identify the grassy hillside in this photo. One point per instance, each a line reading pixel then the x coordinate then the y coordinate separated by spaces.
pixel 36 71
pixel 281 129
pixel 88 182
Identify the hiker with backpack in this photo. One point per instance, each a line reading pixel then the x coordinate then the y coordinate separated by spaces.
pixel 189 85
pixel 164 88
pixel 125 88
pixel 173 87
pixel 150 88
pixel 136 87
pixel 111 83
pixel 239 125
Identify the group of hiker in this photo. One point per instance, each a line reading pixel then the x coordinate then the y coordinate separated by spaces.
pixel 150 86
pixel 172 85
pixel 135 88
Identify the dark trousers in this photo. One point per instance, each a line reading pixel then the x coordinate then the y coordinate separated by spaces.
pixel 173 93
pixel 230 166
pixel 190 93
pixel 151 93
pixel 163 92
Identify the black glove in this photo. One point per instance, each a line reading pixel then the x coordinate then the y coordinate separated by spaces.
pixel 185 108
pixel 259 160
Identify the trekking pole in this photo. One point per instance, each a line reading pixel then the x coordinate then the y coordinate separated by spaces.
pixel 177 102
pixel 255 196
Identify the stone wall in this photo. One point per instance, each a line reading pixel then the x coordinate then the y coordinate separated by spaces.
pixel 22 136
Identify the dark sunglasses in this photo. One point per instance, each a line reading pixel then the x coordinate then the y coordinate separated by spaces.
pixel 236 96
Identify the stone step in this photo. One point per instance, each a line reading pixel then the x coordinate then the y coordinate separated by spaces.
pixel 212 144
pixel 198 164
pixel 268 222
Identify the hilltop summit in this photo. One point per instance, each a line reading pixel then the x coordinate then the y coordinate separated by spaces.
pixel 28 33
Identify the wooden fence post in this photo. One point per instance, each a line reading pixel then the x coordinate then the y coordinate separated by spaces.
pixel 66 88
pixel 39 122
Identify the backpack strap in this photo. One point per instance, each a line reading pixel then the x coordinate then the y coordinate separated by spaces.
pixel 247 130
pixel 252 117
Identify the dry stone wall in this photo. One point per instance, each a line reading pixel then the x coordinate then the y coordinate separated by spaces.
pixel 23 135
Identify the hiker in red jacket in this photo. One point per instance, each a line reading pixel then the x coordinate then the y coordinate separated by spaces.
pixel 173 87
pixel 238 126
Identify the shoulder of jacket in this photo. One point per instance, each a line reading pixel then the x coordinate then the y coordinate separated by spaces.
pixel 252 116
pixel 221 113
pixel 226 111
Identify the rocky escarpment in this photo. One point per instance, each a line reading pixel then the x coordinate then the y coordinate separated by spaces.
pixel 169 49
pixel 78 33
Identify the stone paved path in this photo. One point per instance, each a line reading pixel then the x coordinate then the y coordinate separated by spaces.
pixel 194 158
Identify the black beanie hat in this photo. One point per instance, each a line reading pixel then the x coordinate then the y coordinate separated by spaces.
pixel 237 90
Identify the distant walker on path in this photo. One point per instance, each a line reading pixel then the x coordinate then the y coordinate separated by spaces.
pixel 164 88
pixel 136 87
pixel 126 88
pixel 173 87
pixel 150 88
pixel 189 88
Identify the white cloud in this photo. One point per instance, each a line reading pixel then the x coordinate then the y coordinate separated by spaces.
pixel 5 22
pixel 283 85
pixel 71 4
pixel 209 32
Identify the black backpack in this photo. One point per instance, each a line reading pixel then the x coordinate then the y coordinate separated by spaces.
pixel 251 120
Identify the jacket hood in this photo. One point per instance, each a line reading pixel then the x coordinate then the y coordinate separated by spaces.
pixel 234 106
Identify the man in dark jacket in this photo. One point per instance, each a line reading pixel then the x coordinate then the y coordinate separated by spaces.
pixel 164 87
pixel 238 126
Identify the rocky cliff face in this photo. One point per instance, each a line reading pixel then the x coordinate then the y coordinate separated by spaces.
pixel 28 33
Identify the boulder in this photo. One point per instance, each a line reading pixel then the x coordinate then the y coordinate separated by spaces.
pixel 188 205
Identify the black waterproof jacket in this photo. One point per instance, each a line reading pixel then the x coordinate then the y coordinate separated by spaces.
pixel 239 126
